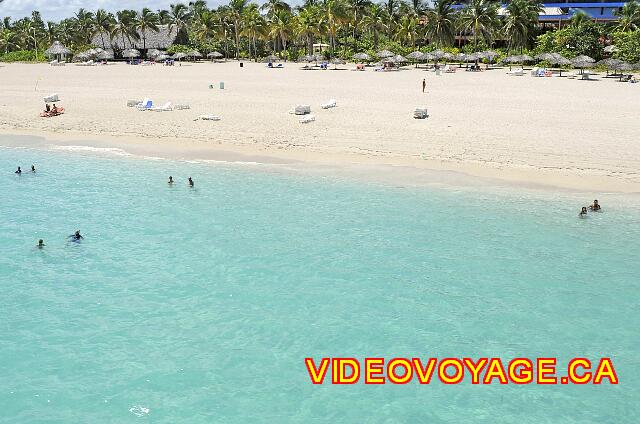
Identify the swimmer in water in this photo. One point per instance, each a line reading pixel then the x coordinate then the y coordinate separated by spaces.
pixel 19 171
pixel 33 168
pixel 170 180
pixel 76 236
pixel 41 244
pixel 190 182
pixel 583 212
pixel 595 206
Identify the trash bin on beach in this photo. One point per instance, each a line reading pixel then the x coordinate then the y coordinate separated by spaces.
pixel 241 64
pixel 221 85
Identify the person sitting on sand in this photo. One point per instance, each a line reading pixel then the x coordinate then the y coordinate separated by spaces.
pixel 54 109
pixel 19 171
pixel 47 108
pixel 190 182
pixel 76 236
pixel 595 206
pixel 41 244
pixel 170 180
pixel 583 212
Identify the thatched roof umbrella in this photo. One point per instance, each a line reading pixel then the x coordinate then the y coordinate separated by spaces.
pixel 337 61
pixel 460 57
pixel 179 56
pixel 417 56
pixel 400 59
pixel 162 57
pixel 82 56
pixel 511 60
pixel 584 58
pixel 582 62
pixel 609 64
pixel 195 54
pixel 526 58
pixel 131 53
pixel 362 56
pixel 153 53
pixel 489 55
pixel 105 55
pixel 384 54
pixel 215 55
pixel 624 66
pixel 57 50
pixel 272 58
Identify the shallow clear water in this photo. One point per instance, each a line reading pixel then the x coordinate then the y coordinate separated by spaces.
pixel 200 305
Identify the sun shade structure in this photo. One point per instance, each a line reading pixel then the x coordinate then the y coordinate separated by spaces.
pixel 130 53
pixel 362 56
pixel 384 54
pixel 417 55
pixel 194 53
pixel 400 59
pixel 57 50
pixel 179 56
pixel 215 55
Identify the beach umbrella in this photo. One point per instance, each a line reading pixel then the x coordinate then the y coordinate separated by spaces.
pixel 610 49
pixel 362 56
pixel 179 56
pixel 526 58
pixel 337 61
pixel 512 59
pixel 583 58
pixel 154 53
pixel 162 57
pixel 272 58
pixel 437 54
pixel 82 56
pixel 215 55
pixel 58 50
pixel 194 54
pixel 400 59
pixel 105 55
pixel 461 57
pixel 306 58
pixel 384 54
pixel 490 55
pixel 545 57
pixel 417 55
pixel 130 53
pixel 472 57
pixel 428 57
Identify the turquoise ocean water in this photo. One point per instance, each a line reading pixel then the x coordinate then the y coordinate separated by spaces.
pixel 199 305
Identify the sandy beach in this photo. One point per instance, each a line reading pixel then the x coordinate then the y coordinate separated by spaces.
pixel 552 131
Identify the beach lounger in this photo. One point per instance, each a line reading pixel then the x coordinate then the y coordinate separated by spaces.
pixel 52 98
pixel 516 72
pixel 420 112
pixel 534 71
pixel 207 118
pixel 330 104
pixel 586 75
pixel 145 105
pixel 167 107
pixel 450 69
pixel 182 106
pixel 307 119
pixel 133 103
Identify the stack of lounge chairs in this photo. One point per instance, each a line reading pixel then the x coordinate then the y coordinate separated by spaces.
pixel 207 118
pixel 146 104
pixel 56 63
pixel 167 107
pixel 301 110
pixel 330 104
pixel 53 98
pixel 420 112
pixel 307 118
pixel 517 72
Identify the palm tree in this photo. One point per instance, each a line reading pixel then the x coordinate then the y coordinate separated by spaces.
pixel 164 17
pixel 280 27
pixel 253 26
pixel 441 23
pixel 236 7
pixel 271 6
pixel 629 17
pixel 6 39
pixel 178 18
pixel 480 17
pixel 309 24
pixel 125 27
pixel 204 26
pixel 579 19
pixel 406 30
pixel 144 21
pixel 375 22
pixel 335 14
pixel 103 23
pixel 520 22
pixel 357 10
pixel 85 26
pixel 224 27
pixel 51 32
pixel 197 7
pixel 391 7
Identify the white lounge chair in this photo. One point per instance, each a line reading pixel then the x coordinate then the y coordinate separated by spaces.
pixel 207 118
pixel 52 98
pixel 534 71
pixel 516 72
pixel 586 75
pixel 167 107
pixel 145 105
pixel 420 112
pixel 306 119
pixel 182 106
pixel 133 103
pixel 56 63
pixel 330 104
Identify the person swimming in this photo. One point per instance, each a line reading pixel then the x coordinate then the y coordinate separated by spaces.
pixel 583 212
pixel 190 182
pixel 33 168
pixel 76 236
pixel 170 180
pixel 19 171
pixel 595 206
pixel 41 244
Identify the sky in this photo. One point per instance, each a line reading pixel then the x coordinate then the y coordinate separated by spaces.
pixel 54 10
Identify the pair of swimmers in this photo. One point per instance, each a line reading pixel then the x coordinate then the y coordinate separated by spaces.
pixel 76 237
pixel 595 207
pixel 190 181
pixel 19 171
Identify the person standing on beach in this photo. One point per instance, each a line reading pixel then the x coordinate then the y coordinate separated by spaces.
pixel 424 84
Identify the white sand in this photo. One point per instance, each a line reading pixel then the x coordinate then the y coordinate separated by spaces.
pixel 557 131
